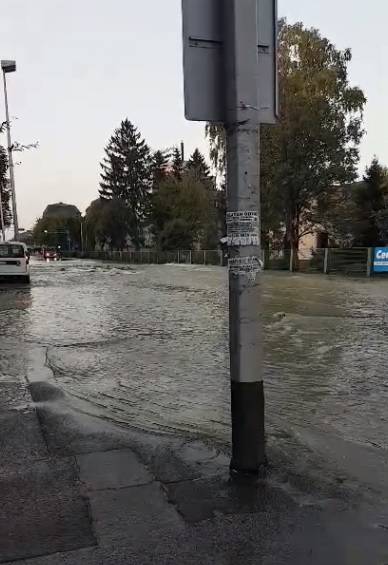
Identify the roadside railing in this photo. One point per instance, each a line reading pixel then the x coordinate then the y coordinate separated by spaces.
pixel 352 261
pixel 149 257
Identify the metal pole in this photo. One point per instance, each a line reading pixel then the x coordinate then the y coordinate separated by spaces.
pixel 2 217
pixel 243 202
pixel 292 255
pixel 369 262
pixel 326 261
pixel 10 164
pixel 82 237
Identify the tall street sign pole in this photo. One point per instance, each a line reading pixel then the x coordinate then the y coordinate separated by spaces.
pixel 231 78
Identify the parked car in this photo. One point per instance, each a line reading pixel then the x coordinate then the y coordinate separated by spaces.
pixel 14 261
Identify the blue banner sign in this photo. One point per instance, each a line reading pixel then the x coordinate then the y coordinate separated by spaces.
pixel 380 262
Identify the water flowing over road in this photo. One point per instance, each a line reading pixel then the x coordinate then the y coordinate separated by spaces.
pixel 146 347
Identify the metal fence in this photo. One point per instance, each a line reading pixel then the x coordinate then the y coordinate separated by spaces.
pixel 348 261
pixel 148 257
pixel 353 261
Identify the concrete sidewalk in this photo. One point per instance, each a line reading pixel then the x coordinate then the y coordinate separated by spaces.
pixel 76 490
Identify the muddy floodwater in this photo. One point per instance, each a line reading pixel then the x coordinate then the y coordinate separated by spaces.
pixel 146 347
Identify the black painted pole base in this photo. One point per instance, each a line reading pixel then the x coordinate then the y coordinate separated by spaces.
pixel 248 441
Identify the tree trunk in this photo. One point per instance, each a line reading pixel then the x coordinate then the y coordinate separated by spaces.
pixel 291 239
pixel 295 254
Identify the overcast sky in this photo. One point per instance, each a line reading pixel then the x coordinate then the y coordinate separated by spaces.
pixel 84 65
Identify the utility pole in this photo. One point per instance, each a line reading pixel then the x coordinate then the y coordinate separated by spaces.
pixel 2 217
pixel 9 67
pixel 82 234
pixel 243 202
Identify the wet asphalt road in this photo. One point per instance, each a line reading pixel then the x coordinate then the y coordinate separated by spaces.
pixel 146 347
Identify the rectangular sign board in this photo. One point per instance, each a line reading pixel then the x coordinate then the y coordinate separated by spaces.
pixel 380 260
pixel 202 60
pixel 204 65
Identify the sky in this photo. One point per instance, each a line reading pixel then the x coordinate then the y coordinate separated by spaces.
pixel 84 65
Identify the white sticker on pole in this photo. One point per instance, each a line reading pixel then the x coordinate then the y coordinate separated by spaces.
pixel 243 228
pixel 245 266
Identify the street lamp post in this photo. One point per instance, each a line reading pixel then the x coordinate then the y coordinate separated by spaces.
pixel 45 237
pixel 83 233
pixel 2 225
pixel 10 67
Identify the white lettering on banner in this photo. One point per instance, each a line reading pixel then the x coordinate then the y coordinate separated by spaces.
pixel 243 228
pixel 380 262
pixel 381 254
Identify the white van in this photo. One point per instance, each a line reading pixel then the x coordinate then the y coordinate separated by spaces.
pixel 14 261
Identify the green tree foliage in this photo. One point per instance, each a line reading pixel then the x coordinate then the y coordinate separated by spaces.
pixel 199 169
pixel 5 195
pixel 338 215
pixel 177 234
pixel 108 222
pixel 370 197
pixel 117 222
pixel 182 213
pixel 177 163
pixel 60 224
pixel 314 147
pixel 94 224
pixel 61 210
pixel 159 168
pixel 356 214
pixel 53 232
pixel 126 176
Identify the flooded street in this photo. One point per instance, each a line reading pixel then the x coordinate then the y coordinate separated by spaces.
pixel 146 347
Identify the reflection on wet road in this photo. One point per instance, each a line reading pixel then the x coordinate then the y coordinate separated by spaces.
pixel 147 346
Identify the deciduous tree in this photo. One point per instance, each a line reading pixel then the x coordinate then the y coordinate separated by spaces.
pixel 314 146
pixel 183 213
